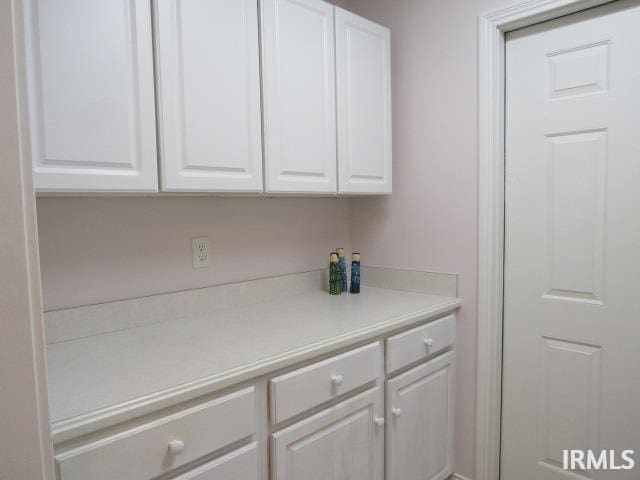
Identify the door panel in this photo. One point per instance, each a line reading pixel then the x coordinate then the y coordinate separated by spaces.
pixel 363 73
pixel 298 56
pixel 91 95
pixel 572 243
pixel 420 422
pixel 342 442
pixel 209 95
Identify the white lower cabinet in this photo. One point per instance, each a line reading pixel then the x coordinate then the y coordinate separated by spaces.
pixel 344 442
pixel 420 421
pixel 329 420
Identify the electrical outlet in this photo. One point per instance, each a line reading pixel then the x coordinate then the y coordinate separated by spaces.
pixel 200 252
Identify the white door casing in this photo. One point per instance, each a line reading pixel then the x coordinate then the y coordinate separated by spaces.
pixel 26 451
pixel 420 423
pixel 492 28
pixel 298 75
pixel 572 244
pixel 363 88
pixel 91 95
pixel 208 77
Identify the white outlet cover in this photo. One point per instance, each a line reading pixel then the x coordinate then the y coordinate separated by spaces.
pixel 200 252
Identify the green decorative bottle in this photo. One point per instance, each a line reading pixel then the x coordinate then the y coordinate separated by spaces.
pixel 335 280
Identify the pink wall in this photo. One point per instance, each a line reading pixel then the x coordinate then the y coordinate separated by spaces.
pixel 95 250
pixel 430 222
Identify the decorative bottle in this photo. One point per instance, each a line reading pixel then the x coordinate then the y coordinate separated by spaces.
pixel 342 263
pixel 335 281
pixel 355 273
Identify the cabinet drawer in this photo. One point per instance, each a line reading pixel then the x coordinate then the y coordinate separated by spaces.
pixel 421 342
pixel 143 452
pixel 307 387
pixel 240 464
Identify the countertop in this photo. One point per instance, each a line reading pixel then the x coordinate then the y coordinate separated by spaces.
pixel 94 377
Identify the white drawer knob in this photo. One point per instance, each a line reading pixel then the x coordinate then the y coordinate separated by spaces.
pixel 396 411
pixel 429 342
pixel 337 380
pixel 379 421
pixel 176 447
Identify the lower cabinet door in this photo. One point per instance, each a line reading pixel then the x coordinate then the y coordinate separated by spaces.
pixel 240 464
pixel 344 442
pixel 420 406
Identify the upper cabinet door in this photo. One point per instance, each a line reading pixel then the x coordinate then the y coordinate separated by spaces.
pixel 363 73
pixel 91 95
pixel 299 96
pixel 209 95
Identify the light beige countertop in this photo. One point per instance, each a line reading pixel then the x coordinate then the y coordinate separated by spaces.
pixel 124 373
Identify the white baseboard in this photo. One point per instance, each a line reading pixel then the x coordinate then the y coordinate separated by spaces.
pixel 455 476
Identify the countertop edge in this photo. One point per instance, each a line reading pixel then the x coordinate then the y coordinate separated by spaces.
pixel 95 421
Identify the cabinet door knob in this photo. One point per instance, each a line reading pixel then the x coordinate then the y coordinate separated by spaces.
pixel 397 411
pixel 429 342
pixel 176 447
pixel 337 380
pixel 379 421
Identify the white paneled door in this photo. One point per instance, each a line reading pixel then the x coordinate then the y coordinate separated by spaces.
pixel 209 95
pixel 298 53
pixel 363 83
pixel 91 95
pixel 572 252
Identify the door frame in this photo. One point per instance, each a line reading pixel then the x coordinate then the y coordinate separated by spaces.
pixel 493 27
pixel 28 451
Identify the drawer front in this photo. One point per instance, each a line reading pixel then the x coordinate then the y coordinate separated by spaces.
pixel 421 342
pixel 143 452
pixel 240 464
pixel 307 387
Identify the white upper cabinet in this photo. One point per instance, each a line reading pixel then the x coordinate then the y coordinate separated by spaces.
pixel 209 95
pixel 299 96
pixel 91 95
pixel 325 110
pixel 363 73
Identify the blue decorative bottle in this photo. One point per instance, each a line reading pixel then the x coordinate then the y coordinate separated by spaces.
pixel 355 273
pixel 342 263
